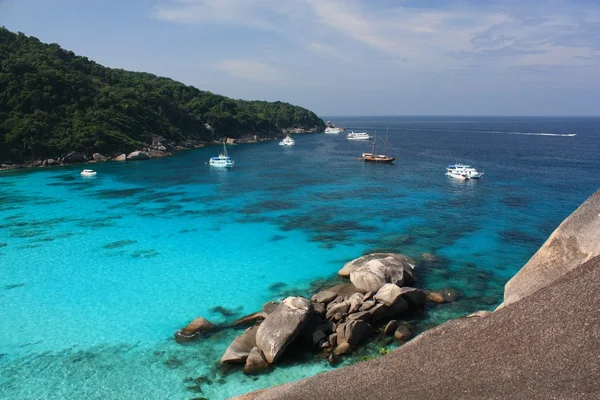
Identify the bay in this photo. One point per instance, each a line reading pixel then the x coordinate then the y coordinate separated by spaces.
pixel 96 274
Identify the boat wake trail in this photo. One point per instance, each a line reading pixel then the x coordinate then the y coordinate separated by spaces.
pixel 542 134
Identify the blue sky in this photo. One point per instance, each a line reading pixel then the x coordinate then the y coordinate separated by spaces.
pixel 345 57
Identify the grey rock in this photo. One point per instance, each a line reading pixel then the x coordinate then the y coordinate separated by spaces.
pixel 343 348
pixel 327 327
pixel 341 308
pixel 443 295
pixel 355 302
pixel 320 309
pixel 193 330
pixel 382 312
pixel 574 242
pixel 73 157
pixel 353 265
pixel 324 296
pixel 375 273
pixel 250 319
pixel 280 327
pixel 138 155
pixel 361 315
pixel 413 296
pixel 240 348
pixel 402 332
pixel 367 305
pixel 344 290
pixel 120 157
pixel 99 157
pixel 479 314
pixel 388 294
pixel 369 295
pixel 256 362
pixel 317 337
pixel 334 302
pixel 333 339
pixel 269 307
pixel 390 328
pixel 353 332
pixel 518 352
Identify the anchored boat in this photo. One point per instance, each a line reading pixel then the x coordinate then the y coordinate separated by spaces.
pixel 358 136
pixel 288 141
pixel 464 172
pixel 222 160
pixel 88 172
pixel 378 158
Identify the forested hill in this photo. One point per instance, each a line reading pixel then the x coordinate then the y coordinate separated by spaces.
pixel 53 102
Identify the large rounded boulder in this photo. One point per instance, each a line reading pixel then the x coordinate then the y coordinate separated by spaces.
pixel 239 350
pixel 370 273
pixel 138 155
pixel 282 326
pixel 193 330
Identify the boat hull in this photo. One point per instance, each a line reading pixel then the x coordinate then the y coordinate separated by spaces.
pixel 378 159
pixel 221 164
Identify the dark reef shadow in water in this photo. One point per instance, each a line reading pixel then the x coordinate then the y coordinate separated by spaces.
pixel 145 253
pixel 13 286
pixel 519 237
pixel 119 243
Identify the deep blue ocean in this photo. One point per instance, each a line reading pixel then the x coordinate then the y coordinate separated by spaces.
pixel 96 274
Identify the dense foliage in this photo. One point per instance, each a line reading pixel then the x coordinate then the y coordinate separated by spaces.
pixel 53 102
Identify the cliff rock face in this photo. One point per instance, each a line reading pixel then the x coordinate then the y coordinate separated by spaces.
pixel 575 241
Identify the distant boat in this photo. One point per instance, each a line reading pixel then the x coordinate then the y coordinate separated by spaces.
pixel 373 157
pixel 358 136
pixel 223 160
pixel 464 172
pixel 334 130
pixel 288 141
pixel 88 172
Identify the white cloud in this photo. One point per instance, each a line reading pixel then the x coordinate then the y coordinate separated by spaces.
pixel 500 35
pixel 251 71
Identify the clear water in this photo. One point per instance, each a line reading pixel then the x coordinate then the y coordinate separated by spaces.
pixel 97 273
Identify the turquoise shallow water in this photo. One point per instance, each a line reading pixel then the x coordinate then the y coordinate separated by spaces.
pixel 96 274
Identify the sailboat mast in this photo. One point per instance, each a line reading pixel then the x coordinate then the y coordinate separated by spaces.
pixel 374 143
pixel 386 140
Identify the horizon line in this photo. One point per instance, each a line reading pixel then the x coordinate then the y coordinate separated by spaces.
pixel 460 115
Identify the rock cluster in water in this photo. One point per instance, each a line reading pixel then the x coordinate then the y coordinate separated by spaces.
pixel 335 321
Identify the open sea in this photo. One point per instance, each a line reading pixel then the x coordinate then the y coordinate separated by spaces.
pixel 96 274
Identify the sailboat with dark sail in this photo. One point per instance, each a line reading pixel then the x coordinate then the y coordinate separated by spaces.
pixel 373 157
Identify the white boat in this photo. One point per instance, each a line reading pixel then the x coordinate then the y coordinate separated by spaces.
pixel 288 141
pixel 334 130
pixel 88 172
pixel 464 172
pixel 222 160
pixel 358 136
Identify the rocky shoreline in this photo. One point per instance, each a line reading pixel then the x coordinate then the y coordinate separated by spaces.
pixel 376 299
pixel 159 148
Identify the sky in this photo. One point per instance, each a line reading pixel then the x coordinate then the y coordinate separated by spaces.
pixel 345 57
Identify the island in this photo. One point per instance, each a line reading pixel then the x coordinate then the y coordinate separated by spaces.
pixel 57 107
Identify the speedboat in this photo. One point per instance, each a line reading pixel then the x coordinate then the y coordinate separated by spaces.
pixel 462 171
pixel 288 141
pixel 222 160
pixel 358 136
pixel 88 172
pixel 334 130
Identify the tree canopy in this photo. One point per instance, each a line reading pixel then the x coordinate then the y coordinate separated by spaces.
pixel 53 102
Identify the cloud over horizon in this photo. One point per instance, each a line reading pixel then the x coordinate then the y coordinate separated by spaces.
pixel 350 56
